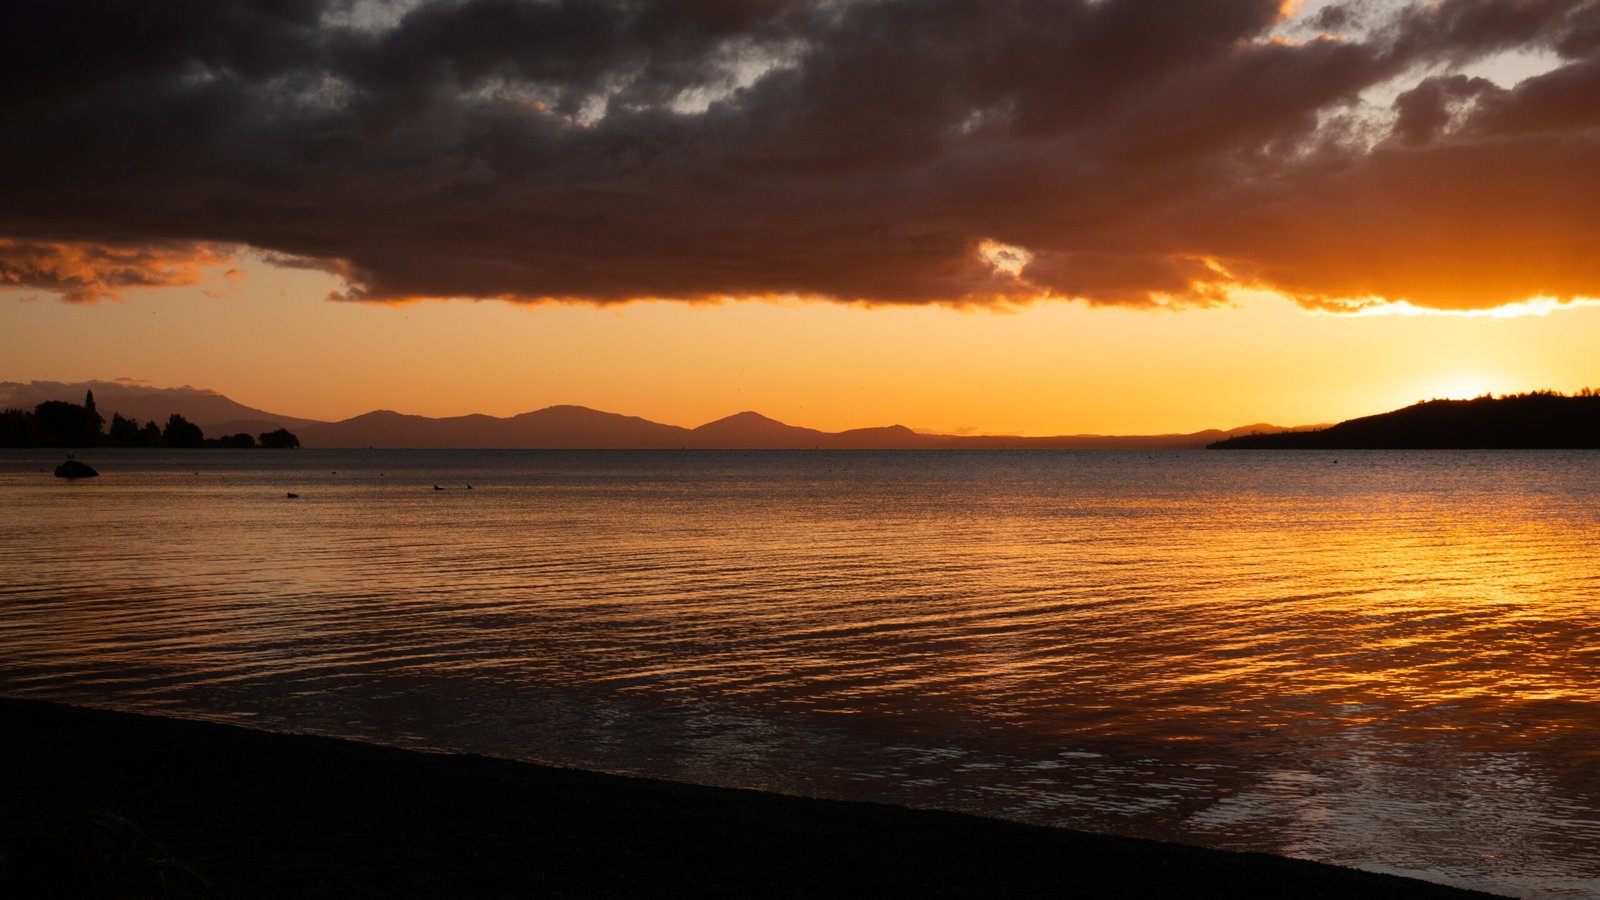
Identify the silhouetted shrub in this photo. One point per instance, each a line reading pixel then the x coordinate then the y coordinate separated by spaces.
pixel 123 432
pixel 282 439
pixel 181 432
pixel 63 424
pixel 17 429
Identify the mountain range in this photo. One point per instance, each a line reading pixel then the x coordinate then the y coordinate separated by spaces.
pixel 554 427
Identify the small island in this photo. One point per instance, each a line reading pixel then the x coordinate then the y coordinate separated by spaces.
pixel 73 468
pixel 1539 420
pixel 57 423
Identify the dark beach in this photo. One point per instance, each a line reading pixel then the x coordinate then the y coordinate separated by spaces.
pixel 103 804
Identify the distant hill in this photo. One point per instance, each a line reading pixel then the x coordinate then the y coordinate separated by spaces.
pixel 752 430
pixel 576 427
pixel 1191 441
pixel 215 414
pixel 554 427
pixel 1526 421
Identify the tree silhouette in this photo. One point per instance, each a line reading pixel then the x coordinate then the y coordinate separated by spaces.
pixel 124 432
pixel 18 428
pixel 181 432
pixel 282 439
pixel 92 416
pixel 63 424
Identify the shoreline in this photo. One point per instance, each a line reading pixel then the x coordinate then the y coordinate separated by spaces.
pixel 134 805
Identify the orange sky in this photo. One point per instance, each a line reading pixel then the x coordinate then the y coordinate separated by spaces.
pixel 1237 211
pixel 272 341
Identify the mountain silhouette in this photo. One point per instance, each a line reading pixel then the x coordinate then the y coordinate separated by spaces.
pixel 556 427
pixel 214 413
pixel 753 431
pixel 1540 420
pixel 581 428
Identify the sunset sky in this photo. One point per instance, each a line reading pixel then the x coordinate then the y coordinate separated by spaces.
pixel 1020 216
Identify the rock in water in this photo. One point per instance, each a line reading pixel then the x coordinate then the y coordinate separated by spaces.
pixel 74 469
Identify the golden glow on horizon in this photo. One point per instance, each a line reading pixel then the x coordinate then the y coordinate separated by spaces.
pixel 1533 306
pixel 1466 387
pixel 272 341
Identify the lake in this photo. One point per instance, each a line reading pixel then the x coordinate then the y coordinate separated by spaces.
pixel 1388 660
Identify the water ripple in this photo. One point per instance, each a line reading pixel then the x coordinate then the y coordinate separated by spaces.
pixel 1389 663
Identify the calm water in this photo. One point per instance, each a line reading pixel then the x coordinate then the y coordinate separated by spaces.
pixel 1385 660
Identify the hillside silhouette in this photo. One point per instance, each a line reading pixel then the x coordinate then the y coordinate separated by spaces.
pixel 1533 421
pixel 213 412
pixel 556 428
pixel 580 428
pixel 58 423
pixel 563 427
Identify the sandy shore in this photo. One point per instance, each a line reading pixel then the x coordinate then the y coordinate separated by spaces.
pixel 98 804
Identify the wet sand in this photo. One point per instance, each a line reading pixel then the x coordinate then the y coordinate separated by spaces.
pixel 101 804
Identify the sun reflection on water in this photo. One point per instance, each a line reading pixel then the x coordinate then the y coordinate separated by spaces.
pixel 1382 660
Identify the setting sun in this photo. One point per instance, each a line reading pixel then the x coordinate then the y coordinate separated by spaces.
pixel 1465 387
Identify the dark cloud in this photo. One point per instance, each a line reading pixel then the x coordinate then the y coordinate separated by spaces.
pixel 1426 110
pixel 1565 101
pixel 1463 29
pixel 1129 151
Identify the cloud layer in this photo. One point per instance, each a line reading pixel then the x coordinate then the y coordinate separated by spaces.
pixel 886 151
